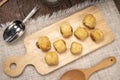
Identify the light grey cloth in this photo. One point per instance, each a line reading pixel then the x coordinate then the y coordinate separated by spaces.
pixel 112 17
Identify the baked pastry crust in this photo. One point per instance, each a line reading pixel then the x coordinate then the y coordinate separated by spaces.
pixel 76 48
pixel 60 46
pixel 44 43
pixel 51 58
pixel 81 33
pixel 89 21
pixel 97 35
pixel 66 29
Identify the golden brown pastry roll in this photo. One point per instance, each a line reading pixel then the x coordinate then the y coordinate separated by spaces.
pixel 81 33
pixel 76 48
pixel 44 43
pixel 89 21
pixel 66 30
pixel 51 58
pixel 97 35
pixel 60 46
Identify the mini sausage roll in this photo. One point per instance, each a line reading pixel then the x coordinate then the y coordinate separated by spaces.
pixel 97 35
pixel 81 33
pixel 60 46
pixel 44 43
pixel 51 58
pixel 66 30
pixel 76 48
pixel 89 21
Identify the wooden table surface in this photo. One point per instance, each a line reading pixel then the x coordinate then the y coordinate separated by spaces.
pixel 18 9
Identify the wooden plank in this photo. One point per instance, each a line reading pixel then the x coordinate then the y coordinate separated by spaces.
pixel 26 6
pixel 73 2
pixel 35 56
pixel 9 11
pixel 18 9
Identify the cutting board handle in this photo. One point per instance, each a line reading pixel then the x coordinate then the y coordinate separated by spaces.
pixel 14 65
pixel 17 63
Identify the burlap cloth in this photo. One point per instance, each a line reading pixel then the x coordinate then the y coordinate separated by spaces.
pixel 112 17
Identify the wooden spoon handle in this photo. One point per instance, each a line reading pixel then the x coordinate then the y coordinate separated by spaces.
pixel 104 64
pixel 19 65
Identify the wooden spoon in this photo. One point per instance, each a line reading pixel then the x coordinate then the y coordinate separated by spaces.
pixel 85 74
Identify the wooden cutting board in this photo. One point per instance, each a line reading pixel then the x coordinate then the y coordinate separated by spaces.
pixel 34 56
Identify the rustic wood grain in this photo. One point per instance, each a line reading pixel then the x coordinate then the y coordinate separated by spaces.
pixel 18 9
pixel 9 11
pixel 26 6
pixel 73 2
